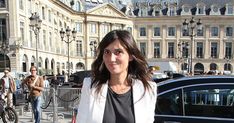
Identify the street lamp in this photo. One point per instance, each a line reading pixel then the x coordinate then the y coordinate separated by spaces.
pixel 35 24
pixel 4 50
pixel 68 41
pixel 228 65
pixel 191 26
pixel 183 53
pixel 93 47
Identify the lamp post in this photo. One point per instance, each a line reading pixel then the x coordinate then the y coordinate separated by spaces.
pixel 93 47
pixel 35 24
pixel 68 41
pixel 191 26
pixel 228 65
pixel 4 49
pixel 183 51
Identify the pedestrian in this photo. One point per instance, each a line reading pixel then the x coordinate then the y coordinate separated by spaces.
pixel 8 87
pixel 46 82
pixel 35 85
pixel 119 90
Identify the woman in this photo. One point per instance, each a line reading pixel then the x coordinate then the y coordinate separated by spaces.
pixel 119 90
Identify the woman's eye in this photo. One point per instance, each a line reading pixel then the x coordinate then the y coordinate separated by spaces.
pixel 106 52
pixel 118 52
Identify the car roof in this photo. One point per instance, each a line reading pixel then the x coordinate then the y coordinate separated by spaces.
pixel 194 80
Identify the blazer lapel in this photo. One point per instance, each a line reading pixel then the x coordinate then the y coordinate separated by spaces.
pixel 99 104
pixel 138 91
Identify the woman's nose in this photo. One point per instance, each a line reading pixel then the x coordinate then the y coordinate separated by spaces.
pixel 112 57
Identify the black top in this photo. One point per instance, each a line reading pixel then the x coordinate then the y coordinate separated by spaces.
pixel 119 107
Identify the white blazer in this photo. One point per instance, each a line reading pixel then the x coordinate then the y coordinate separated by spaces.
pixel 91 107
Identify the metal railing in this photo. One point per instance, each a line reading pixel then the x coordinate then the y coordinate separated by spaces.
pixel 60 101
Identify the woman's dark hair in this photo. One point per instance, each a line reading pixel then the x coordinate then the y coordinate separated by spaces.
pixel 137 68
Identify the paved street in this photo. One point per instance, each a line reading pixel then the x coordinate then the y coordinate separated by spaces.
pixel 47 117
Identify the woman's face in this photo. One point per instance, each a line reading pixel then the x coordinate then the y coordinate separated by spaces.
pixel 116 58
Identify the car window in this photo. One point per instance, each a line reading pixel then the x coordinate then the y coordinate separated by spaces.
pixel 169 103
pixel 209 101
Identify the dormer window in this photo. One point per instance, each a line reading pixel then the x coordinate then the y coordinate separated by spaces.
pixel 229 9
pixel 201 10
pixel 172 11
pixel 156 11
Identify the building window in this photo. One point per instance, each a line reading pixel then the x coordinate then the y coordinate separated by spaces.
pixel 157 12
pixel 21 4
pixel 43 12
pixel 2 3
pixel 79 27
pixel 185 50
pixel 172 11
pixel 157 50
pixel 170 50
pixel 3 32
pixel 229 9
pixel 143 48
pixel 228 50
pixel 49 15
pixel 79 48
pixel 229 31
pixel 50 41
pixel 214 31
pixel 185 32
pixel 214 49
pixel 22 33
pixel 32 44
pixel 156 31
pixel 44 40
pixel 200 32
pixel 129 29
pixel 93 28
pixel 106 28
pixel 77 6
pixel 142 31
pixel 171 31
pixel 201 10
pixel 199 50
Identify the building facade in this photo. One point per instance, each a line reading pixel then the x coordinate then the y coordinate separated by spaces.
pixel 90 25
pixel 156 26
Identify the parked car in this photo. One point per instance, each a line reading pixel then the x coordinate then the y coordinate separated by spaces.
pixel 197 99
pixel 77 78
pixel 159 77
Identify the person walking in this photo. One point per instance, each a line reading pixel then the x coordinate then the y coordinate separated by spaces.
pixel 35 85
pixel 8 87
pixel 46 82
pixel 119 90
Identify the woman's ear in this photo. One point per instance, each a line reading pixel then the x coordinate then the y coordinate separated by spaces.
pixel 131 58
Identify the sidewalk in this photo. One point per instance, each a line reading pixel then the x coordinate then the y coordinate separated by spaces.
pixel 47 117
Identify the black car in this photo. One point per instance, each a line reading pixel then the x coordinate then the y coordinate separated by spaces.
pixel 78 77
pixel 170 75
pixel 198 99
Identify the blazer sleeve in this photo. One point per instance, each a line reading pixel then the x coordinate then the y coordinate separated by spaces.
pixel 83 107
